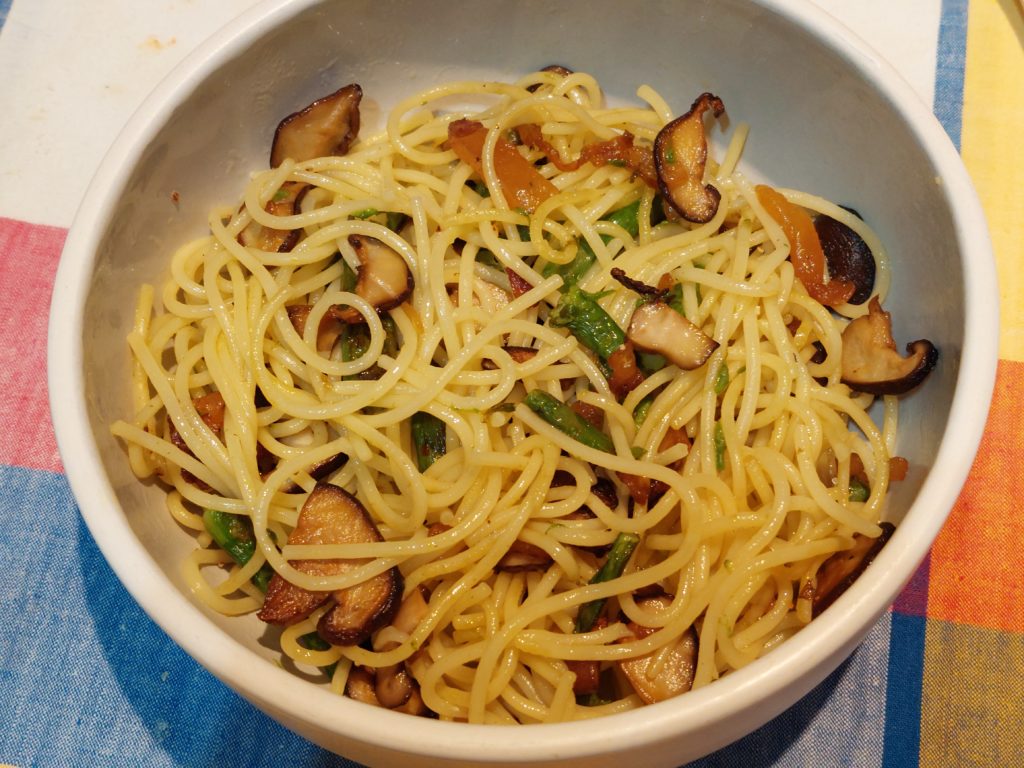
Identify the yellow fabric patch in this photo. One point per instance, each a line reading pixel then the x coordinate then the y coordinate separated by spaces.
pixel 993 150
pixel 967 670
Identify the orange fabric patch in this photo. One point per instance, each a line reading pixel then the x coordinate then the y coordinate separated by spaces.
pixel 975 574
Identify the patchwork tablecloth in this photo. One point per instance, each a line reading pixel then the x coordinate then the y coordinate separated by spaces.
pixel 87 679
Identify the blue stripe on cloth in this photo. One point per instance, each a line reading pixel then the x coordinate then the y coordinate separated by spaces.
pixel 86 678
pixel 906 653
pixel 903 699
pixel 949 67
pixel 836 724
pixel 5 8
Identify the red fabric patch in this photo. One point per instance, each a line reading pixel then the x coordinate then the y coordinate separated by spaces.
pixel 976 571
pixel 28 262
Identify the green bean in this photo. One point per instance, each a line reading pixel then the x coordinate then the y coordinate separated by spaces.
pixel 314 642
pixel 233 534
pixel 572 272
pixel 579 311
pixel 618 556
pixel 858 491
pixel 719 438
pixel 565 419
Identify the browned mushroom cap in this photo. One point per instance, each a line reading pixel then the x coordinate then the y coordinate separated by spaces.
pixel 318 471
pixel 680 154
pixel 556 69
pixel 848 256
pixel 656 327
pixel 360 686
pixel 333 516
pixel 326 127
pixel 522 556
pixel 870 360
pixel 393 685
pixel 383 278
pixel 843 568
pixel 285 203
pixel 676 666
pixel 211 408
pixel 326 334
pixel 518 354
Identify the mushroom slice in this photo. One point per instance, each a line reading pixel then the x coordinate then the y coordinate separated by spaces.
pixel 522 556
pixel 843 568
pixel 518 355
pixel 360 686
pixel 676 663
pixel 870 360
pixel 680 155
pixel 333 516
pixel 318 471
pixel 326 127
pixel 383 278
pixel 285 203
pixel 656 327
pixel 326 334
pixel 847 255
pixel 393 685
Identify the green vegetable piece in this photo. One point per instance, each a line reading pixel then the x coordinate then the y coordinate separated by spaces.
pixel 314 642
pixel 722 379
pixel 394 220
pixel 579 311
pixel 348 276
pixel 428 439
pixel 233 534
pixel 565 419
pixel 642 409
pixel 719 446
pixel 650 362
pixel 366 213
pixel 487 257
pixel 480 188
pixel 858 491
pixel 625 217
pixel 618 556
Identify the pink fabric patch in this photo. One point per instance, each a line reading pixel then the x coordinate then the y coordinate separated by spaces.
pixel 28 262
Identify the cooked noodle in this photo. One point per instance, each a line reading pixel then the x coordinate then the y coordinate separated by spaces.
pixel 732 539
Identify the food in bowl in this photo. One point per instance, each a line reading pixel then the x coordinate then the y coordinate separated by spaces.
pixel 530 414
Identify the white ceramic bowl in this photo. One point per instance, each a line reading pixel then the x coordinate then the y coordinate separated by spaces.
pixel 827 116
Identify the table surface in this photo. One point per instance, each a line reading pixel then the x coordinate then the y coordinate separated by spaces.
pixel 87 679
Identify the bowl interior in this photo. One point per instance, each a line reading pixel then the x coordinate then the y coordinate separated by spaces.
pixel 825 117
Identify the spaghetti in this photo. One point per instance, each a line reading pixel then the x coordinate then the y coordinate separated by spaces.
pixel 723 489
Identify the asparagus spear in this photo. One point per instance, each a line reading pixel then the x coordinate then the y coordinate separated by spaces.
pixel 564 418
pixel 579 311
pixel 585 257
pixel 314 642
pixel 234 535
pixel 618 556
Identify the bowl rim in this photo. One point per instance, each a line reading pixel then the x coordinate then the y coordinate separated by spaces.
pixel 754 686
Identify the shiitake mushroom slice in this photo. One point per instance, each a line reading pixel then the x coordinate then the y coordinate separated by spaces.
pixel 328 126
pixel 847 255
pixel 331 515
pixel 680 156
pixel 870 361
pixel 383 278
pixel 843 568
